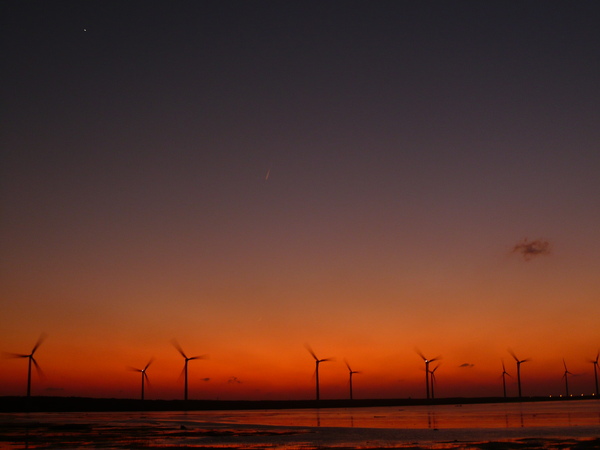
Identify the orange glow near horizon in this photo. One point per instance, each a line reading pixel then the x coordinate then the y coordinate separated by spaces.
pixel 260 354
pixel 256 347
pixel 251 376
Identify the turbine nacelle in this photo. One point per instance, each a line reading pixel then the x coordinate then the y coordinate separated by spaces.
pixel 143 371
pixel 318 361
pixel 350 368
pixel 427 360
pixel 518 361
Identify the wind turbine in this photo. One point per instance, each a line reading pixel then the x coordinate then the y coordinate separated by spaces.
pixel 185 366
pixel 433 380
pixel 595 363
pixel 144 375
pixel 427 372
pixel 519 362
pixel 31 359
pixel 504 373
pixel 317 362
pixel 566 377
pixel 351 372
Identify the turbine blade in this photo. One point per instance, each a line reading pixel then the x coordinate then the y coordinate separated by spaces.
pixel 145 375
pixel 14 355
pixel 565 364
pixel 178 347
pixel 420 354
pixel 149 362
pixel 198 357
pixel 38 369
pixel 310 350
pixel 348 365
pixel 41 339
pixel 513 355
pixel 133 369
pixel 327 359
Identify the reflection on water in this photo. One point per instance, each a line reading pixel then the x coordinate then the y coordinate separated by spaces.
pixel 496 415
pixel 431 422
pixel 303 428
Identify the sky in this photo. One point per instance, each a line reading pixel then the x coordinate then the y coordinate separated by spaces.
pixel 248 178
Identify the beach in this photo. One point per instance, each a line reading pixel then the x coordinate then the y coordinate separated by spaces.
pixel 490 426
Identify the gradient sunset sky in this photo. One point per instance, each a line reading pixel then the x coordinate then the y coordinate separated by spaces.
pixel 250 177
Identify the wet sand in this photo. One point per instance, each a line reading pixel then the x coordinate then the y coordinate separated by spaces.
pixel 67 436
pixel 494 426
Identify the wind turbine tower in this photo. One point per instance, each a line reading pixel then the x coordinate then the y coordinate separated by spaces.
pixel 519 362
pixel 31 361
pixel 317 362
pixel 185 366
pixel 504 373
pixel 144 375
pixel 427 372
pixel 351 372
pixel 566 377
pixel 433 381
pixel 595 363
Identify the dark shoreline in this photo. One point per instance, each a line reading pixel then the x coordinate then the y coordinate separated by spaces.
pixel 85 404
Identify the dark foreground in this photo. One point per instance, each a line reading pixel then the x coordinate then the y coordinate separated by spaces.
pixel 85 404
pixel 57 431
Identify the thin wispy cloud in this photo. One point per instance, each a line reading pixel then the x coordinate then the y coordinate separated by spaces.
pixel 532 249
pixel 234 380
pixel 467 365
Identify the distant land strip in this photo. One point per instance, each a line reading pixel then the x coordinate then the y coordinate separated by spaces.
pixel 13 404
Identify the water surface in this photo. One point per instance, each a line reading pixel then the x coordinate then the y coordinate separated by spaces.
pixel 561 424
pixel 493 415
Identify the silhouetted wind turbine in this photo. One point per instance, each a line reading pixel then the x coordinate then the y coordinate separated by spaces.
pixel 519 362
pixel 566 377
pixel 144 375
pixel 504 373
pixel 351 372
pixel 427 372
pixel 185 366
pixel 595 363
pixel 433 380
pixel 31 359
pixel 317 362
